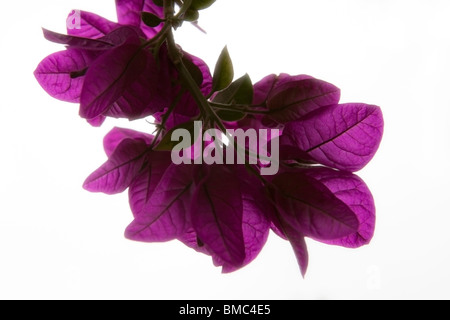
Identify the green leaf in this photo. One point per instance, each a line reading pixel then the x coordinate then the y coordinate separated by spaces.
pixel 239 92
pixel 224 72
pixel 159 3
pixel 151 20
pixel 167 144
pixel 191 15
pixel 201 4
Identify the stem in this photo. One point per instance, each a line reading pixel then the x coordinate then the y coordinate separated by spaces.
pixel 164 30
pixel 168 9
pixel 237 108
pixel 204 105
pixel 166 117
pixel 184 8
pixel 176 57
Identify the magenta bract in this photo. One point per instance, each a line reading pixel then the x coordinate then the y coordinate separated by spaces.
pixel 130 70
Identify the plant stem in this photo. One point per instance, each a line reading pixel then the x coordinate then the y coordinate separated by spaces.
pixel 164 30
pixel 237 108
pixel 166 117
pixel 184 9
pixel 191 85
pixel 168 9
pixel 177 59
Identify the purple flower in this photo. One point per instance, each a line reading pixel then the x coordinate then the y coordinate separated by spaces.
pixel 62 73
pixel 189 203
pixel 130 70
pixel 107 70
pixel 226 212
pixel 328 205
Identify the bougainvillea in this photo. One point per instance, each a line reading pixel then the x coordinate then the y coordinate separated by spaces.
pixel 230 160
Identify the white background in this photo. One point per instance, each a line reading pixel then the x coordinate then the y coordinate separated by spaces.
pixel 58 241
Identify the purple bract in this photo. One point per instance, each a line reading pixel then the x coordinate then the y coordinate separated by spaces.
pixel 132 70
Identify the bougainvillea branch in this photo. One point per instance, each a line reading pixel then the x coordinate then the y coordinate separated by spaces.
pixel 230 159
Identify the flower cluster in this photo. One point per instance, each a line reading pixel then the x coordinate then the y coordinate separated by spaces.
pixel 133 69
